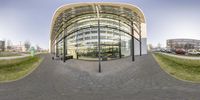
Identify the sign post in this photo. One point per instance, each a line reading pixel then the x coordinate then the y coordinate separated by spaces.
pixel 32 51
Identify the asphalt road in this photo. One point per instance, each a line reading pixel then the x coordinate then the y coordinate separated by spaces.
pixel 80 80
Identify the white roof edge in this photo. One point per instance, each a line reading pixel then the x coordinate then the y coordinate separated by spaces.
pixel 66 6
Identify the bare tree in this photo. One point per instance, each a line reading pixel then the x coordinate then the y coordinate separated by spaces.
pixel 8 45
pixel 27 45
pixel 150 46
pixel 159 45
pixel 38 48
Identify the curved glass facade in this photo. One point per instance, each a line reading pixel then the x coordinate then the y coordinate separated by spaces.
pixel 76 31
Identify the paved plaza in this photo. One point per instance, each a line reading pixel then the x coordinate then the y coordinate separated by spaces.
pixel 120 79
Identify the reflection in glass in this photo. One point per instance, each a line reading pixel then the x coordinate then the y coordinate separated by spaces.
pixel 81 32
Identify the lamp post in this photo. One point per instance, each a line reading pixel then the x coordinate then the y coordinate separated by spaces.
pixel 99 42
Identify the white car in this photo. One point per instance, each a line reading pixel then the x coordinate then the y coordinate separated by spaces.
pixel 193 52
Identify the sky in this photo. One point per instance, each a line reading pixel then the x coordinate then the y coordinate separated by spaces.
pixel 22 20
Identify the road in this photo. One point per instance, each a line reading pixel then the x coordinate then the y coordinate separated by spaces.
pixel 79 80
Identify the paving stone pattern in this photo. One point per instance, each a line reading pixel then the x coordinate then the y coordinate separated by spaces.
pixel 120 79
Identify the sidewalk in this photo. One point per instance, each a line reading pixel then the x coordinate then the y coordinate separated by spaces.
pixel 120 79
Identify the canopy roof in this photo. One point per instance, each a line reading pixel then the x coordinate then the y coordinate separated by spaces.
pixel 63 8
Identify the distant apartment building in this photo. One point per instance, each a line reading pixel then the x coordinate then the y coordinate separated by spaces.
pixel 19 48
pixel 183 44
pixel 2 45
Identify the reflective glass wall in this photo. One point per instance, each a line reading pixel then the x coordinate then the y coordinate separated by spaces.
pixel 78 28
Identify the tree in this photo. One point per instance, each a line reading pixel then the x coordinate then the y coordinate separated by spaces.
pixel 27 45
pixel 159 45
pixel 8 45
pixel 150 46
pixel 38 48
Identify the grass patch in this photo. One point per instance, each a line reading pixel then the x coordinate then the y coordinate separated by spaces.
pixel 9 54
pixel 17 68
pixel 184 69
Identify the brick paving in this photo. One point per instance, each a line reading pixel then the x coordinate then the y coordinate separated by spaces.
pixel 120 79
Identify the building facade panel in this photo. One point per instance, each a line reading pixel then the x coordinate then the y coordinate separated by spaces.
pixel 76 29
pixel 183 44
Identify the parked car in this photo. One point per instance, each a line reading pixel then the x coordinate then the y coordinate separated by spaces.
pixel 193 52
pixel 168 50
pixel 155 50
pixel 173 50
pixel 162 50
pixel 180 51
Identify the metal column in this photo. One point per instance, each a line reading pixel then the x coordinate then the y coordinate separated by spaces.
pixel 120 54
pixel 63 30
pixel 99 48
pixel 99 42
pixel 64 53
pixel 140 39
pixel 77 45
pixel 132 40
pixel 56 49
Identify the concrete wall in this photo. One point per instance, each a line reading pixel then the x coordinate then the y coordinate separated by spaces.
pixel 144 46
pixel 144 41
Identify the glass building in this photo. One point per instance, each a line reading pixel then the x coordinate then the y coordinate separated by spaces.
pixel 92 31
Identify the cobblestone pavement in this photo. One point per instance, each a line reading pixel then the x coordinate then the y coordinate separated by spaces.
pixel 79 80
